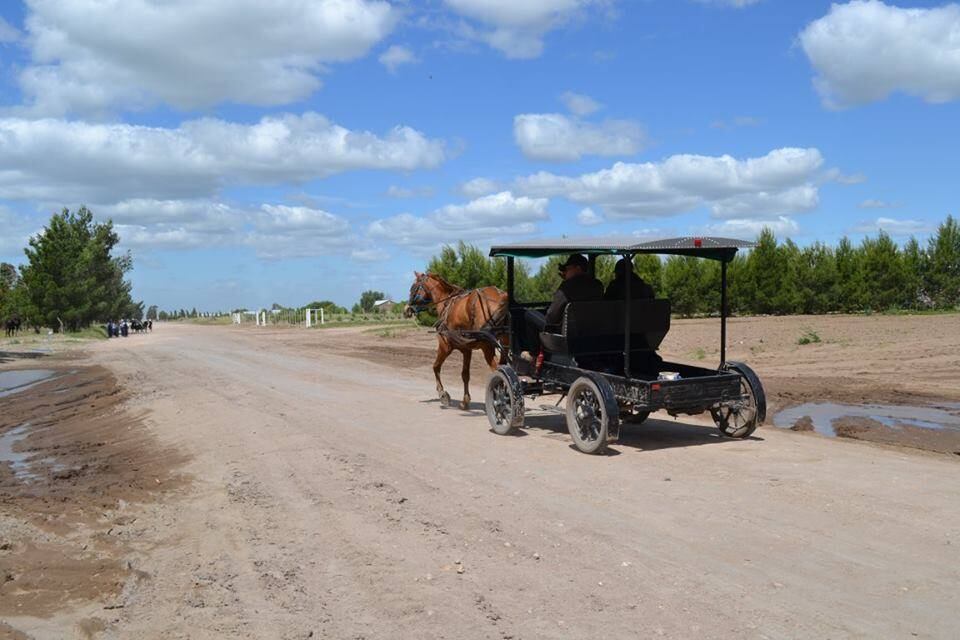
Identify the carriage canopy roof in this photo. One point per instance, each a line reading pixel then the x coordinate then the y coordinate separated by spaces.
pixel 700 246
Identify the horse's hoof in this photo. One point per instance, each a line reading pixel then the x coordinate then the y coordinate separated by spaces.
pixel 444 399
pixel 465 403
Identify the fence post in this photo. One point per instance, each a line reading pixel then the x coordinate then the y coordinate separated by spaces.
pixel 321 315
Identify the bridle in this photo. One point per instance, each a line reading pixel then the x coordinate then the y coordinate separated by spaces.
pixel 420 298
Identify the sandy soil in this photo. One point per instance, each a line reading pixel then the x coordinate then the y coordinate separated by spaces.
pixel 294 484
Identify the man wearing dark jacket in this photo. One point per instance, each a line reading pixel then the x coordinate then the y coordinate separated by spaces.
pixel 617 289
pixel 578 285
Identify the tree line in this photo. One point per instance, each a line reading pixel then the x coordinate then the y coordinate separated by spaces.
pixel 71 278
pixel 774 277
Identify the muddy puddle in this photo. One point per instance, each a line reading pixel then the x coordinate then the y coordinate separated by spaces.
pixel 18 380
pixel 76 466
pixel 931 428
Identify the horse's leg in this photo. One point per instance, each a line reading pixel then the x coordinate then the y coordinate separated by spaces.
pixel 490 355
pixel 443 350
pixel 465 374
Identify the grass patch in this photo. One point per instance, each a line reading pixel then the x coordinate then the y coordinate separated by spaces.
pixel 809 337
pixel 394 331
pixel 699 353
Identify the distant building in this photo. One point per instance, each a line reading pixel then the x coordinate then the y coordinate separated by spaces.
pixel 384 306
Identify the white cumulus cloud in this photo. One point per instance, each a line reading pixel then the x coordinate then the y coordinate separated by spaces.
pixel 783 181
pixel 91 55
pixel 865 50
pixel 878 204
pixel 59 160
pixel 894 226
pixel 747 228
pixel 479 187
pixel 558 138
pixel 397 56
pixel 516 28
pixel 588 217
pixel 496 215
pixel 7 32
pixel 579 104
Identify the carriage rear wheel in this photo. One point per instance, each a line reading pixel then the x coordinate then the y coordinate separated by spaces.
pixel 504 401
pixel 592 414
pixel 741 418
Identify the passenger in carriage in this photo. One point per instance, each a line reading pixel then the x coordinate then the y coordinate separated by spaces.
pixel 617 289
pixel 577 286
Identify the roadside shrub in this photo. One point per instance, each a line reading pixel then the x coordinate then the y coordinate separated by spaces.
pixel 809 337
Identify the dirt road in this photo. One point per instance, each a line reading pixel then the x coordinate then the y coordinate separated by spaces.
pixel 328 496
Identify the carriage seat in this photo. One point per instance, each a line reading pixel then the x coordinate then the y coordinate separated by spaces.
pixel 598 327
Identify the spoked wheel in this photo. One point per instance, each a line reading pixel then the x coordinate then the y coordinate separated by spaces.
pixel 740 418
pixel 504 401
pixel 592 414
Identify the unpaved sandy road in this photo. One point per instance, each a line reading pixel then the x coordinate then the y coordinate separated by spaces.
pixel 332 496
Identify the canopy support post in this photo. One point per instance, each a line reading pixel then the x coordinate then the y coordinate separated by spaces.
pixel 626 317
pixel 723 313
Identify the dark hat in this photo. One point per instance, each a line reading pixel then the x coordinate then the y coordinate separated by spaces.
pixel 623 266
pixel 576 260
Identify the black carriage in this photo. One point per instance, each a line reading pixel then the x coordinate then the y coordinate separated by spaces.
pixel 603 356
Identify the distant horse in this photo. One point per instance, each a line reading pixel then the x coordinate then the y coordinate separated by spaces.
pixel 462 313
pixel 12 326
pixel 137 326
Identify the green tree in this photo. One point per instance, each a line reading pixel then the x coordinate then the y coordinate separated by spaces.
pixel 692 285
pixel 152 312
pixel 368 298
pixel 943 273
pixel 766 271
pixel 915 268
pixel 328 306
pixel 72 275
pixel 818 286
pixel 885 282
pixel 850 276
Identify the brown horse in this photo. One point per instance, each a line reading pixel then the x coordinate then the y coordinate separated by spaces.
pixel 461 314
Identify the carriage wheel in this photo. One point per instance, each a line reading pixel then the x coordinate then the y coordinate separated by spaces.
pixel 592 414
pixel 741 418
pixel 504 401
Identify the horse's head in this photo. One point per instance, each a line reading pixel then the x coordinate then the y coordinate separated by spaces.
pixel 420 296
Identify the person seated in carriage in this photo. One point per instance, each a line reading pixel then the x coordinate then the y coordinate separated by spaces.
pixel 577 286
pixel 617 289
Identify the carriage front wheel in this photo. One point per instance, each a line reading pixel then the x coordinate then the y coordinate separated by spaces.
pixel 592 414
pixel 504 401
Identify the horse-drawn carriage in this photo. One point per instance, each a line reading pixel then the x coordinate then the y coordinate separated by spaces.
pixel 603 356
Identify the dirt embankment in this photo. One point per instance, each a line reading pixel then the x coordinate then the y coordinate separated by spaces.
pixel 85 466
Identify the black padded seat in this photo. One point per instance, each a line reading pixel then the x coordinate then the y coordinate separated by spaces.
pixel 591 328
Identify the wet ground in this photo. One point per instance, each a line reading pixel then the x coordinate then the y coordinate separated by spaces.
pixel 930 428
pixel 75 467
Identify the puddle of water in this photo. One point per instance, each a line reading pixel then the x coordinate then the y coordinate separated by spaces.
pixel 23 468
pixel 823 415
pixel 18 380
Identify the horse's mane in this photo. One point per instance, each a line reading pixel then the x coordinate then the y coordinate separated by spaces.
pixel 446 283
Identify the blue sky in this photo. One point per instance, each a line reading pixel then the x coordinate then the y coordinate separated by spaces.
pixel 254 152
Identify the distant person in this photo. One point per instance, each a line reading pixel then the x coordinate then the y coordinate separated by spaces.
pixel 617 289
pixel 124 328
pixel 109 328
